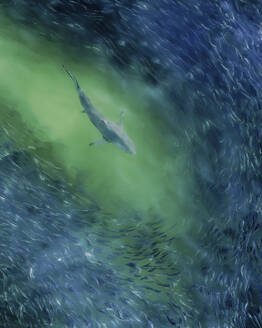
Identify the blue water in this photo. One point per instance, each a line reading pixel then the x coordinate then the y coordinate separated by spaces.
pixel 61 262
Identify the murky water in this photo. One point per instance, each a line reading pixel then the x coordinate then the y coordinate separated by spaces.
pixel 94 237
pixel 142 197
pixel 153 182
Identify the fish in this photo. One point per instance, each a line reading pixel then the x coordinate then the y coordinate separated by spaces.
pixel 111 132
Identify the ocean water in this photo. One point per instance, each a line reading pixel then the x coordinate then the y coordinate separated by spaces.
pixel 95 237
pixel 38 88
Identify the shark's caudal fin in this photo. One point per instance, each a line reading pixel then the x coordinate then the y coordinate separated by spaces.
pixel 84 100
pixel 72 77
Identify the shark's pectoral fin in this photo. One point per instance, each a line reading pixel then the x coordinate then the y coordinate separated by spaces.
pixel 98 142
pixel 120 121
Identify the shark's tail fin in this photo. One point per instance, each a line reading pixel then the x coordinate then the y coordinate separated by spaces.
pixel 72 77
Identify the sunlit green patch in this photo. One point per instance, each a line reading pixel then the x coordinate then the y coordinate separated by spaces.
pixel 151 182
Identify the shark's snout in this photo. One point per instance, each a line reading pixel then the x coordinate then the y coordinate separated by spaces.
pixel 131 147
pixel 132 150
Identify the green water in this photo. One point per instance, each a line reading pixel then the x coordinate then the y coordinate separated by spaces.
pixel 152 182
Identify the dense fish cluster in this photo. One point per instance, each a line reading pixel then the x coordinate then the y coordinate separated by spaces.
pixel 206 57
pixel 55 256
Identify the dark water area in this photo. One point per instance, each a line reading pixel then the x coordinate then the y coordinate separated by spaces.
pixel 65 261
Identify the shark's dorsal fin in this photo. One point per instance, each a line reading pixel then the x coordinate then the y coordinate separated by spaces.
pixel 120 121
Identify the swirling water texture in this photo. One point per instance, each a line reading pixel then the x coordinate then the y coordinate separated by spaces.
pixel 206 57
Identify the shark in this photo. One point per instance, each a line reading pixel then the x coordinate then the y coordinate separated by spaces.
pixel 111 132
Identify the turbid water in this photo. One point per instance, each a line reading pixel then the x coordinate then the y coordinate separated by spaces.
pixel 152 182
pixel 63 260
pixel 147 193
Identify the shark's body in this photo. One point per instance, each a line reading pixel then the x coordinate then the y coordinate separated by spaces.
pixel 110 131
